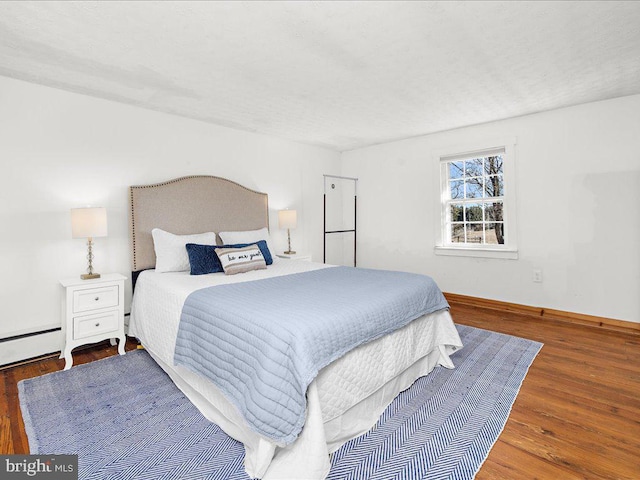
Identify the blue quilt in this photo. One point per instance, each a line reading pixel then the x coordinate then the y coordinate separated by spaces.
pixel 263 342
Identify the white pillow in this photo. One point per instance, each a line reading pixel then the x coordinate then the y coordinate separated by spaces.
pixel 248 236
pixel 171 250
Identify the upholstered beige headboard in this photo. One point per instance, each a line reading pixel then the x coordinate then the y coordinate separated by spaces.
pixel 193 204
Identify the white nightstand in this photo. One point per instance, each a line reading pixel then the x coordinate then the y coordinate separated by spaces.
pixel 295 256
pixel 92 311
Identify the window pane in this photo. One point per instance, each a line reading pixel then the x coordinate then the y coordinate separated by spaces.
pixel 456 170
pixel 474 199
pixel 457 189
pixel 495 233
pixel 473 168
pixel 474 187
pixel 457 233
pixel 493 212
pixel 473 212
pixel 493 165
pixel 474 232
pixel 495 186
pixel 457 212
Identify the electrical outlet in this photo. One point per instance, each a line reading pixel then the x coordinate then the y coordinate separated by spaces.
pixel 537 276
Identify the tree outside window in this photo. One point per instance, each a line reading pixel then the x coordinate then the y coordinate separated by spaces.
pixel 474 205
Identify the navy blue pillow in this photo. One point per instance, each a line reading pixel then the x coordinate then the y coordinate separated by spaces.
pixel 203 258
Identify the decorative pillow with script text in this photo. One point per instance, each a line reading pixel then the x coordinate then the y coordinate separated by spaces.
pixel 240 260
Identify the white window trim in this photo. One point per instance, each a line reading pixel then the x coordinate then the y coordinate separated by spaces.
pixel 507 251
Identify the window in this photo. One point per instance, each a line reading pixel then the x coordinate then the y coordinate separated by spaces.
pixel 474 200
pixel 476 196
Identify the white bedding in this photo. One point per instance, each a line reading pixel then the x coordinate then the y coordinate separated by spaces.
pixel 344 401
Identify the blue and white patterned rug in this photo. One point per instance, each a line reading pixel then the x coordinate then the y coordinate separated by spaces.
pixel 126 419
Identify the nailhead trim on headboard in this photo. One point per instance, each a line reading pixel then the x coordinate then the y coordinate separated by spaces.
pixel 215 181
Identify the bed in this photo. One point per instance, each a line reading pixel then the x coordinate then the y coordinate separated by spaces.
pixel 346 397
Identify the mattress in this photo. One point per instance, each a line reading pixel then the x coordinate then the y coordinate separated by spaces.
pixel 344 400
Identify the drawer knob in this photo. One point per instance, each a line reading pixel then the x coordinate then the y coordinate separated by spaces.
pixel 98 324
pixel 97 298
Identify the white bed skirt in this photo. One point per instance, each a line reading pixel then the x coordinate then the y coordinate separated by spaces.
pixel 310 452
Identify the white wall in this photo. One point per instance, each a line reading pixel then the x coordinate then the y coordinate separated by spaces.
pixel 60 150
pixel 578 191
pixel 578 171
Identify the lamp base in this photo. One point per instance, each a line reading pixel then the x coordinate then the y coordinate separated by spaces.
pixel 89 276
pixel 290 252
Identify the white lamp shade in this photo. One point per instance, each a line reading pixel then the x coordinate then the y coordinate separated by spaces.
pixel 88 222
pixel 288 219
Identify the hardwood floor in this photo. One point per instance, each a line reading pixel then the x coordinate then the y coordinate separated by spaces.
pixel 578 412
pixel 577 415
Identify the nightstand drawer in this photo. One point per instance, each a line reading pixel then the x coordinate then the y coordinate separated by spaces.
pixel 95 298
pixel 89 325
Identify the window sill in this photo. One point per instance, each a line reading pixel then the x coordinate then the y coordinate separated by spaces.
pixel 503 253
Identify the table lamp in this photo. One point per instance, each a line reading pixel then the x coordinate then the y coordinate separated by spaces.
pixel 89 223
pixel 288 219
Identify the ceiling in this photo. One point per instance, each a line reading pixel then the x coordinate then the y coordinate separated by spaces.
pixel 341 75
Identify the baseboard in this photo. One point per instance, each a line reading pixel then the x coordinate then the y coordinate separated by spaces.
pixel 546 313
pixel 30 346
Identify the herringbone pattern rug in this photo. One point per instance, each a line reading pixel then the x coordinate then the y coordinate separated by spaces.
pixel 126 420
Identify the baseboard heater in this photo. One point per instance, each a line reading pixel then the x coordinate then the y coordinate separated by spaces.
pixel 30 345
